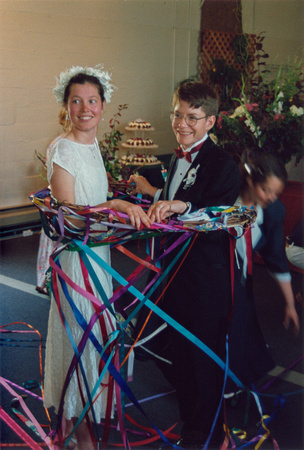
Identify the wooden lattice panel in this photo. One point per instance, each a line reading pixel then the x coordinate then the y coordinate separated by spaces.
pixel 218 45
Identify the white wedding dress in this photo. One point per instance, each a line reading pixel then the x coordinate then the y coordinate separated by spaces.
pixel 85 164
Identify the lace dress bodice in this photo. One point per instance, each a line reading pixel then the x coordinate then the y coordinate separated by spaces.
pixel 85 164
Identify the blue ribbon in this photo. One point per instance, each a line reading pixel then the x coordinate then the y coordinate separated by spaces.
pixel 160 312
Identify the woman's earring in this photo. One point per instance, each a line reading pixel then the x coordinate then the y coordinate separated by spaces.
pixel 67 117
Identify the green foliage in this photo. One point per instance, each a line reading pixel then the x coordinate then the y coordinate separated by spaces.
pixel 240 46
pixel 42 159
pixel 109 145
pixel 225 76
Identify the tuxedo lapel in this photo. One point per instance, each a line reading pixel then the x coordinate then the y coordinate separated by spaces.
pixel 171 170
pixel 196 167
pixel 191 174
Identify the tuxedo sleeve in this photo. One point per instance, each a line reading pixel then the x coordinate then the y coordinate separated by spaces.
pixel 272 245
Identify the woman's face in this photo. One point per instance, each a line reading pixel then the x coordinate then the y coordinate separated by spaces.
pixel 267 192
pixel 85 106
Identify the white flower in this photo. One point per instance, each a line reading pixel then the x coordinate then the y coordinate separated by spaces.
pixel 255 130
pixel 295 111
pixel 279 108
pixel 239 112
pixel 97 72
pixel 191 177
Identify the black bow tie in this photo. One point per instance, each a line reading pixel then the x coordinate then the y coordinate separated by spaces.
pixel 187 155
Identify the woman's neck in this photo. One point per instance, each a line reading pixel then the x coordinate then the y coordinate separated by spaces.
pixel 81 137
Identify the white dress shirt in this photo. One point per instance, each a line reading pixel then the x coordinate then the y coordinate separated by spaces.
pixel 181 170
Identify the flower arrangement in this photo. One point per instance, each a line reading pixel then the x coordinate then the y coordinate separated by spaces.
pixel 269 117
pixel 109 146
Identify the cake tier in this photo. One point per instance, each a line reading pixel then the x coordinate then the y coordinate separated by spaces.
pixel 139 143
pixel 139 159
pixel 139 124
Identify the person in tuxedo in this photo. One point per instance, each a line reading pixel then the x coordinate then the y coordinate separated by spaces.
pixel 200 174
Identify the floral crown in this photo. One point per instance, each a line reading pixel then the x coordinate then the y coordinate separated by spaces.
pixel 103 77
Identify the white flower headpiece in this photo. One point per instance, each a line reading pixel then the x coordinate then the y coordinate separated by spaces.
pixel 103 77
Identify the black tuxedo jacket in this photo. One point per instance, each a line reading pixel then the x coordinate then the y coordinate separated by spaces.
pixel 198 295
pixel 212 179
pixel 202 284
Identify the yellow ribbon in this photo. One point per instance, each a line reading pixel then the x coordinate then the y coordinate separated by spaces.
pixel 265 436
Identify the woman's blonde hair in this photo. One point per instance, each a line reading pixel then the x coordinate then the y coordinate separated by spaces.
pixel 64 120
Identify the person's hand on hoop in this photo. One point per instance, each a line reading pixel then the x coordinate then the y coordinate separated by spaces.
pixel 165 208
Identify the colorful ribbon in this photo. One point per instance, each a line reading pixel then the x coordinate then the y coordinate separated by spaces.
pixel 57 222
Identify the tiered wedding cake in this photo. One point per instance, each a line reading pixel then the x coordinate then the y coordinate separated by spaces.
pixel 139 143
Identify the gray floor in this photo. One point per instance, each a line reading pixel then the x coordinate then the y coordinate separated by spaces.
pixel 20 363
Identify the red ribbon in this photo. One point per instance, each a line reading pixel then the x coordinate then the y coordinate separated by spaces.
pixel 249 250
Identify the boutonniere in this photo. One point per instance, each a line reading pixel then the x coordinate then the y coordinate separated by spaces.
pixel 191 177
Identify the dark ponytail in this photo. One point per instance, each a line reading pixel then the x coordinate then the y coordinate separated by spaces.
pixel 259 165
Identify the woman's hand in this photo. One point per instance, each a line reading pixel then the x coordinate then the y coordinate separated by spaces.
pixel 163 209
pixel 136 214
pixel 291 318
pixel 142 186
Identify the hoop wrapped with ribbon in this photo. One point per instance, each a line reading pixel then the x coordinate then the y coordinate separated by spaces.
pixel 56 219
pixel 103 226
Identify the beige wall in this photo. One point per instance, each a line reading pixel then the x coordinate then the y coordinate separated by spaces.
pixel 282 22
pixel 147 45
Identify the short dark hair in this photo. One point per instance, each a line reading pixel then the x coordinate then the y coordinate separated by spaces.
pixel 198 95
pixel 82 78
pixel 260 165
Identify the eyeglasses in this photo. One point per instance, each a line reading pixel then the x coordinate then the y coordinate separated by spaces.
pixel 190 120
